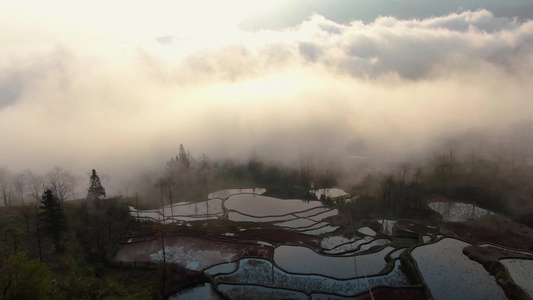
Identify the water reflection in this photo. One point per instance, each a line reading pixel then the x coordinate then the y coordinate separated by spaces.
pixel 450 274
pixel 261 206
pixel 521 270
pixel 297 259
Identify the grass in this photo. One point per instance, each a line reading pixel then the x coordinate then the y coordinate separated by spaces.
pixel 130 283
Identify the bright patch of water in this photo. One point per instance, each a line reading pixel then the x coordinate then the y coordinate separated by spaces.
pixel 450 274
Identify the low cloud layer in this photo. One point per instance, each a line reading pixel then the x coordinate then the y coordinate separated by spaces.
pixel 388 88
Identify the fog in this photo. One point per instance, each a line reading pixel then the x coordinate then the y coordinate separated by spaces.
pixel 387 89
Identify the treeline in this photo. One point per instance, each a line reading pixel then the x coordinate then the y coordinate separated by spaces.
pixel 54 249
pixel 186 178
pixel 495 173
pixel 27 186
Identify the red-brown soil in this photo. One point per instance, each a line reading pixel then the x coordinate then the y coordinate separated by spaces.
pixel 190 252
pixel 207 243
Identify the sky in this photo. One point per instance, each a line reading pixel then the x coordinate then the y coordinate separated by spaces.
pixel 119 86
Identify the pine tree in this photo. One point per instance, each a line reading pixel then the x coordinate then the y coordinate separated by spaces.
pixel 54 218
pixel 183 158
pixel 96 191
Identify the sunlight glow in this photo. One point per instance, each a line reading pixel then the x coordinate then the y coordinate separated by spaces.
pixel 39 22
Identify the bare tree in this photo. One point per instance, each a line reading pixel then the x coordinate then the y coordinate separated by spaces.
pixel 386 184
pixel 204 168
pixel 170 183
pixel 416 175
pixel 34 184
pixel 445 162
pixel 19 185
pixel 25 211
pixel 161 183
pixel 403 169
pixel 38 227
pixel 62 182
pixel 126 186
pixel 5 185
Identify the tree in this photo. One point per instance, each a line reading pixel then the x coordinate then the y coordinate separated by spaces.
pixel 184 159
pixel 25 212
pixel 19 184
pixel 54 218
pixel 63 183
pixel 35 184
pixel 96 191
pixel 5 185
pixel 14 234
pixel 204 164
pixel 386 184
pixel 25 279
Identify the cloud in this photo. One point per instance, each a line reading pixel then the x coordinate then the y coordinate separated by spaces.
pixel 385 89
pixel 412 49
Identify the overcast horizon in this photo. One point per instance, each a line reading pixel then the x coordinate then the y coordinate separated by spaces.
pixel 118 87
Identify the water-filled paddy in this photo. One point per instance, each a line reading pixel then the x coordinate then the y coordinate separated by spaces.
pixel 301 272
pixel 349 246
pixel 366 231
pixel 312 212
pixel 261 206
pixel 237 291
pixel 259 271
pixel 204 291
pixel 521 270
pixel 326 214
pixel 321 230
pixel 458 211
pixel 238 217
pixel 374 243
pixel 222 268
pixel 296 223
pixel 224 194
pixel 331 242
pixel 183 211
pixel 296 259
pixel 387 226
pixel 450 274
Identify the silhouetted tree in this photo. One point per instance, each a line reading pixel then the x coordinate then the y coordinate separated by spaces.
pixel 54 218
pixel 183 159
pixel 5 185
pixel 35 184
pixel 19 185
pixel 14 234
pixel 386 184
pixel 96 191
pixel 62 182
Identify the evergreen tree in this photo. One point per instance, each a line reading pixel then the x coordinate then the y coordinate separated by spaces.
pixel 183 158
pixel 96 191
pixel 54 218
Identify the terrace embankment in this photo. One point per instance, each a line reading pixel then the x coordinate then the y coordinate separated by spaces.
pixel 489 257
pixel 496 229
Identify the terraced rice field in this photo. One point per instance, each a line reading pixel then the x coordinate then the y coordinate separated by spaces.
pixel 254 258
